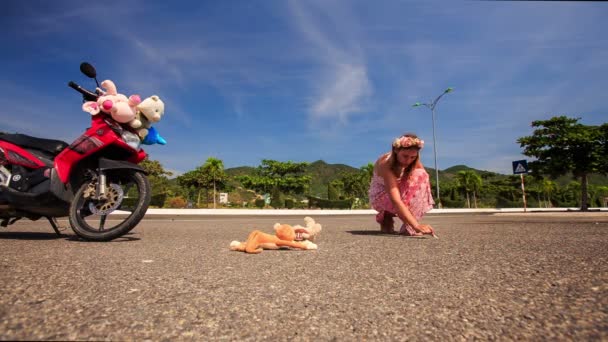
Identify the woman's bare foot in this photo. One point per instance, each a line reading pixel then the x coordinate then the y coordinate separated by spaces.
pixel 387 225
pixel 387 230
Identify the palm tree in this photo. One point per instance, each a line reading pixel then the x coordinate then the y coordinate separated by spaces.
pixel 477 183
pixel 367 171
pixel 602 195
pixel 548 187
pixel 464 184
pixel 215 169
pixel 469 181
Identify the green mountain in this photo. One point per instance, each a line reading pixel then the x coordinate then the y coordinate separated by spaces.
pixel 456 168
pixel 240 171
pixel 322 174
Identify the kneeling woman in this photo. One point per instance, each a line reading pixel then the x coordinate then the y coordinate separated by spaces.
pixel 400 187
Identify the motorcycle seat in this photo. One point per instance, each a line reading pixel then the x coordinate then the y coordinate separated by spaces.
pixel 48 145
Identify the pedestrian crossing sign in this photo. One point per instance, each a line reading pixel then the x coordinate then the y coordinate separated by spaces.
pixel 520 166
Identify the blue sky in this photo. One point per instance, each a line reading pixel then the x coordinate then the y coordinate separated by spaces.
pixel 286 80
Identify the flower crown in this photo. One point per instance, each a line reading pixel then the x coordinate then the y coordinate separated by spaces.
pixel 405 142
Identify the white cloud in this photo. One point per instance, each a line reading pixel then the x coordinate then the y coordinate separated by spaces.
pixel 341 83
pixel 344 94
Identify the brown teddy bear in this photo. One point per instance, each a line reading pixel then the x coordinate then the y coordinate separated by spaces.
pixel 285 236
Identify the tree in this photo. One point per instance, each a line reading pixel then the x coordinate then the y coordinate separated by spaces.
pixel 602 195
pixel 196 179
pixel 548 187
pixel 562 145
pixel 154 168
pixel 277 200
pixel 214 168
pixel 352 185
pixel 159 181
pixel 334 189
pixel 603 137
pixel 288 177
pixel 356 184
pixel 469 181
pixel 450 197
pixel 367 172
pixel 569 194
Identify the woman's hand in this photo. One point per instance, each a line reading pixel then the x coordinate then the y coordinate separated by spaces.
pixel 426 229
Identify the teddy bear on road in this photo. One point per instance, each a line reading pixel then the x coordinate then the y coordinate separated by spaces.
pixel 286 236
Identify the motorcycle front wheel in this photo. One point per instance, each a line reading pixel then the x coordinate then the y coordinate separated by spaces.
pixel 127 196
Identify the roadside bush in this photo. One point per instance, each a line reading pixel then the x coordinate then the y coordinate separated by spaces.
pixel 128 202
pixel 277 199
pixel 449 203
pixel 332 192
pixel 260 203
pixel 289 203
pixel 176 202
pixel 502 202
pixel 315 202
pixel 158 200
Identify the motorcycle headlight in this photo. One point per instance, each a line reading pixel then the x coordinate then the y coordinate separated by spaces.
pixel 131 139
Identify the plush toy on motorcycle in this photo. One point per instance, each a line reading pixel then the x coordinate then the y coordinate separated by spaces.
pixel 147 112
pixel 120 107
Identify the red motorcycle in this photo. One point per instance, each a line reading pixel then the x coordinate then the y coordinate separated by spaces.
pixel 87 180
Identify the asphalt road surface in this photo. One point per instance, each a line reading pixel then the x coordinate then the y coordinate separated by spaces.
pixel 488 277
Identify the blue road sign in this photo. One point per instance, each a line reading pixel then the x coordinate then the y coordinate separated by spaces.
pixel 520 166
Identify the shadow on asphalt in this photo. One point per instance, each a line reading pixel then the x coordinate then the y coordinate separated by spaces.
pixel 379 233
pixel 52 236
pixel 118 239
pixel 30 236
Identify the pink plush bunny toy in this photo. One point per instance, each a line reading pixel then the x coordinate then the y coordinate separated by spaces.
pixel 121 108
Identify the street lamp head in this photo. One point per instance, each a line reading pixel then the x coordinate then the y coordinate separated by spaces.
pixel 417 104
pixel 449 90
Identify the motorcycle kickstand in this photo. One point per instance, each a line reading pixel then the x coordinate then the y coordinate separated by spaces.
pixel 55 225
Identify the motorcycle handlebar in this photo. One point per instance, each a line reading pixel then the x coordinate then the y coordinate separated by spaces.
pixel 88 95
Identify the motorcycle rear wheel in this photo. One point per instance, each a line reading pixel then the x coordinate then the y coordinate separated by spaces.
pixel 89 218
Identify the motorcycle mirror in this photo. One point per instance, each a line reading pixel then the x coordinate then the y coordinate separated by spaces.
pixel 88 70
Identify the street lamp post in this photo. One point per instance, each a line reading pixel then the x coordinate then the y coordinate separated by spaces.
pixel 431 106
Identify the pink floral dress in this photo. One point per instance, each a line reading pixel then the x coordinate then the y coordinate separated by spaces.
pixel 415 193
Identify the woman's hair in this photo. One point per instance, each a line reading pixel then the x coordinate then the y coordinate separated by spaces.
pixel 408 141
